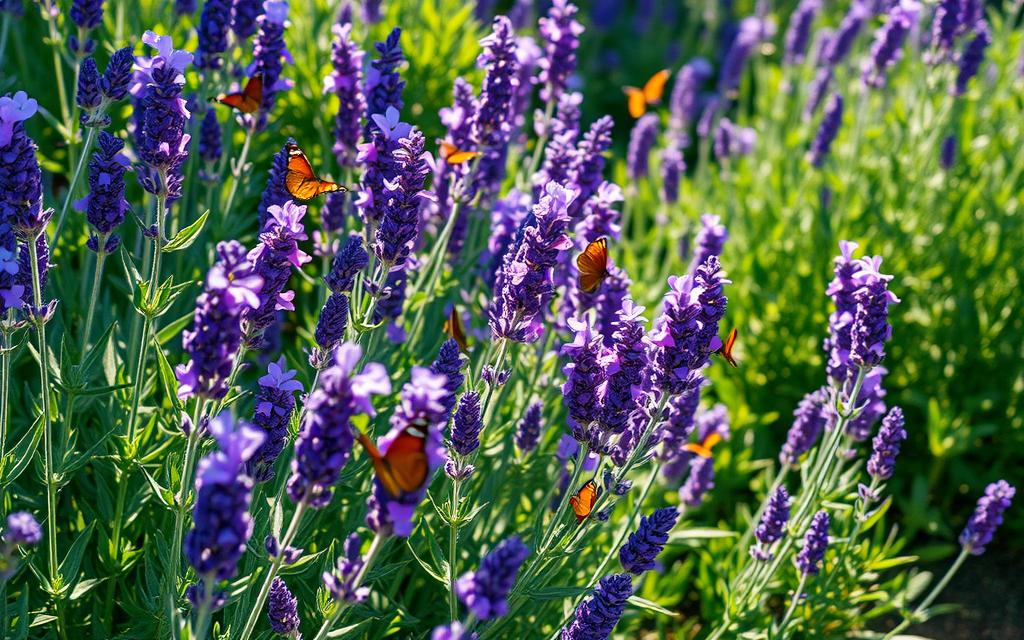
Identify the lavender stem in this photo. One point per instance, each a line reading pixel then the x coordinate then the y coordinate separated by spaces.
pixel 90 137
pixel 966 551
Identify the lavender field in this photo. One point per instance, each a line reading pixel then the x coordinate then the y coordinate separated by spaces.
pixel 511 319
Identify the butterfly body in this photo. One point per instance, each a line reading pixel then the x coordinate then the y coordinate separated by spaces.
pixel 299 179
pixel 583 500
pixel 593 265
pixel 726 350
pixel 404 468
pixel 638 99
pixel 703 449
pixel 453 155
pixel 249 99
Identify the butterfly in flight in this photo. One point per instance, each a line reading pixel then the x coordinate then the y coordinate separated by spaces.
pixel 638 99
pixel 248 100
pixel 453 155
pixel 404 468
pixel 300 180
pixel 703 449
pixel 453 327
pixel 726 349
pixel 593 265
pixel 583 500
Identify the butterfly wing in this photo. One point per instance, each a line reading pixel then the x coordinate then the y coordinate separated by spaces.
pixel 582 502
pixel 655 87
pixel 453 327
pixel 461 156
pixel 635 101
pixel 726 350
pixel 704 448
pixel 300 180
pixel 252 96
pixel 406 461
pixel 593 265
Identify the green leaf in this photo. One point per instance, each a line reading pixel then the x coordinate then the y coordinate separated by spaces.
pixel 69 566
pixel 642 603
pixel 557 593
pixel 187 236
pixel 426 567
pixel 167 378
pixel 174 328
pixel 22 452
pixel 96 352
pixel 888 563
pixel 166 496
pixel 877 514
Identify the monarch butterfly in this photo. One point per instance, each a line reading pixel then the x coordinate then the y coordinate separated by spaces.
pixel 583 500
pixel 453 327
pixel 300 180
pixel 593 265
pixel 703 449
pixel 248 100
pixel 638 99
pixel 403 469
pixel 453 155
pixel 726 349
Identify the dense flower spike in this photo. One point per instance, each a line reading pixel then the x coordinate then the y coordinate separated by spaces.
pixel 325 439
pixel 21 201
pixel 675 432
pixel 340 583
pixel 710 240
pixel 772 525
pixel 244 14
pixel 817 91
pixel 458 119
pixel 945 27
pixel 275 192
pixel 684 102
pixel 282 609
pixel 223 491
pixel 86 15
pixel 399 225
pixel 641 141
pixel 808 560
pixel 105 206
pixel 524 281
pixel 871 329
pixel 586 382
pixel 700 480
pixel 384 85
pixel 275 402
pixel 268 52
pixel 332 323
pixel 381 165
pixel 809 420
pixel 466 424
pixel 597 616
pixel 89 95
pixel 492 124
pixel 210 140
pixel 214 23
pixel 485 591
pixel 118 75
pixel 528 430
pixel 751 32
pixel 732 140
pixel 560 32
pixel 798 34
pixel 888 44
pixel 24 275
pixel 840 42
pixel 273 259
pixel 987 516
pixel 626 381
pixel 972 57
pixel 947 153
pixel 827 130
pixel 22 529
pixel 216 333
pixel 886 445
pixel 672 168
pixel 644 544
pixel 420 408
pixel 351 260
pixel 184 7
pixel 449 363
pixel 506 216
pixel 346 82
pixel 587 171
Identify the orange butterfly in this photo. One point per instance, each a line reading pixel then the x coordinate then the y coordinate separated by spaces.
pixel 638 99
pixel 300 180
pixel 403 469
pixel 249 100
pixel 453 155
pixel 453 327
pixel 583 500
pixel 726 349
pixel 704 448
pixel 593 265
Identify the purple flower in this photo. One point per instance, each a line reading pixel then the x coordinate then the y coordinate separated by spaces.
pixel 86 15
pixel 506 216
pixel 184 7
pixel 886 445
pixel 11 291
pixel 21 201
pixel 105 206
pixel 216 333
pixel 675 432
pixel 118 75
pixel 347 264
pixel 275 192
pixel 492 125
pixel 524 281
pixel 213 33
pixel 871 330
pixel 332 323
pixel 420 408
pixel 586 383
pixel 816 92
pixel 672 168
pixel 399 226
pixel 223 491
pixel 587 172
pixel 341 582
pixel 626 381
pixel 799 31
pixel 710 240
pixel 972 57
pixel 282 609
pixel 987 517
pixel 346 82
pixel 273 259
pixel 392 300
pixel 24 275
pixel 275 402
pixel 466 424
pixel 325 439
pixel 809 419
pixel 378 158
pixel 641 141
pixel 772 525
pixel 371 11
pixel 485 591
pixel 244 14
pixel 700 480
pixel 840 43
pixel 945 27
pixel 732 140
pixel 210 146
pixel 561 33
pixel 22 529
pixel 685 98
pixel 384 85
pixel 458 119
pixel 889 39
pixel 827 130
pixel 454 631
pixel 644 544
pixel 268 51
pixel 597 616
pixel 560 152
pixel 947 154
pixel 449 363
pixel 872 405
pixel 808 560
pixel 528 429
pixel 89 95
pixel 750 33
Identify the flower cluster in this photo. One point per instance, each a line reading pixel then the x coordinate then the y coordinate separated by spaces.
pixel 561 33
pixel 341 583
pixel 644 544
pixel 346 82
pixel 597 615
pixel 485 591
pixel 275 402
pixel 987 516
pixel 105 206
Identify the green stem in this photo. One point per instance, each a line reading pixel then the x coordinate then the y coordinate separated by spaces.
pixel 187 467
pixel 97 278
pixel 792 605
pixel 453 544
pixel 237 171
pixel 202 624
pixel 5 386
pixel 5 27
pixel 966 551
pixel 90 137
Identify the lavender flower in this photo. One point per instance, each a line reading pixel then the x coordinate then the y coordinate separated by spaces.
pixel 454 631
pixel 710 240
pixel 341 582
pixel 485 591
pixel 21 198
pixel 749 36
pixel 672 168
pixel 528 430
pixel 732 140
pixel 118 75
pixel 492 125
pixel 524 281
pixel 86 15
pixel 586 382
pixel 223 491
pixel 325 440
pixel 889 39
pixel 347 264
pixel 399 225
pixel 840 43
pixel 24 274
pixel 872 405
pixel 216 333
pixel 947 153
pixel 210 149
pixel 449 363
pixel 816 92
pixel 587 171
pixel 184 7
pixel 371 11
pixel 808 560
pixel 214 22
pixel 871 330
pixel 685 98
pixel 799 31
pixel 381 166
pixel 810 418
pixel 597 616
pixel 987 517
pixel 560 152
pixel 21 530
pixel 626 382
pixel 105 206
pixel 466 424
pixel 11 291
pixel 972 57
pixel 945 27
pixel 458 119
pixel 275 402
pixel 282 609
pixel 332 323
pixel 244 14
pixel 772 525
pixel 268 51
pixel 561 33
pixel 383 83
pixel 275 192
pixel 89 95
pixel 506 216
pixel 700 480
pixel 273 259
pixel 644 544
pixel 419 406
pixel 827 130
pixel 346 82
pixel 641 141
